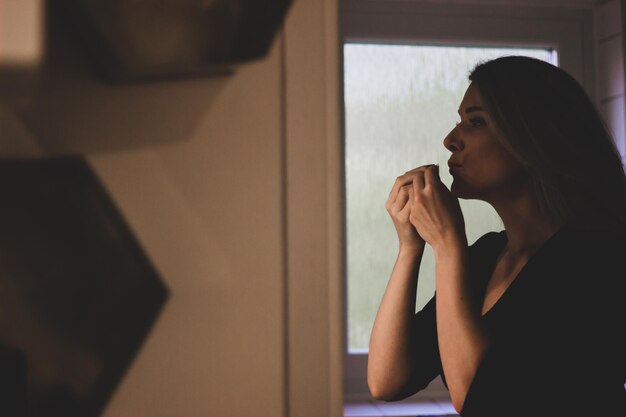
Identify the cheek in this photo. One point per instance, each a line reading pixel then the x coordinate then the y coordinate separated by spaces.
pixel 493 161
pixel 494 171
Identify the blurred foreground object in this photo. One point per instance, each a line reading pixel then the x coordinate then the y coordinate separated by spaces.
pixel 78 295
pixel 142 39
pixel 22 51
pixel 21 45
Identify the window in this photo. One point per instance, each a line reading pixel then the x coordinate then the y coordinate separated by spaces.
pixel 405 69
pixel 400 102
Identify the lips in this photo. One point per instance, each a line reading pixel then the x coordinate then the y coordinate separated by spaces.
pixel 453 164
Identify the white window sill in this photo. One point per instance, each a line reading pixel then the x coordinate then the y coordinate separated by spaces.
pixel 372 408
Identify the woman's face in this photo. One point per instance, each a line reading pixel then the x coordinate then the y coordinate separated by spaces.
pixel 488 171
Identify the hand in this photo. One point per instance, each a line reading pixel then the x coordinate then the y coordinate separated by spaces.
pixel 434 211
pixel 398 207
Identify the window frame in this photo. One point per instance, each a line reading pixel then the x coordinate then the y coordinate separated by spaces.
pixel 569 31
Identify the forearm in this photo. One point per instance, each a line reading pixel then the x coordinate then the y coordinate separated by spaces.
pixel 462 337
pixel 390 358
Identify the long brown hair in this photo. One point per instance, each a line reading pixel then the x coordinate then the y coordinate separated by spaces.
pixel 549 124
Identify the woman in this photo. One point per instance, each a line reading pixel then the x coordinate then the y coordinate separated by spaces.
pixel 527 321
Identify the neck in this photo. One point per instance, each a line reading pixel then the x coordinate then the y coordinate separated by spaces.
pixel 527 228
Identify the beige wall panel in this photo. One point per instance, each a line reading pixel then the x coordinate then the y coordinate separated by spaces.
pixel 208 212
pixel 314 211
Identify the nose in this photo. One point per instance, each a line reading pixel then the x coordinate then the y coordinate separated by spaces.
pixel 452 141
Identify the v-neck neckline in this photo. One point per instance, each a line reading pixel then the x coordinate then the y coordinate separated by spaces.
pixel 503 240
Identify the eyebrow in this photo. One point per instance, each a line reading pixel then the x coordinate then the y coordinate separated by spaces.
pixel 472 109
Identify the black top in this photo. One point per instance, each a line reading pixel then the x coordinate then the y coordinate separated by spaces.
pixel 557 332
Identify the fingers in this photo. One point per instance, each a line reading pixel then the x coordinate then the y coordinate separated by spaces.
pixel 418 181
pixel 403 197
pixel 407 179
pixel 396 199
pixel 400 182
pixel 411 193
pixel 424 181
pixel 431 175
pixel 423 178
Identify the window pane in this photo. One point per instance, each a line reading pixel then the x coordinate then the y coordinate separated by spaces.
pixel 400 102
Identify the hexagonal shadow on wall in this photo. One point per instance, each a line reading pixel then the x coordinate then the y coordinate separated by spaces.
pixel 78 295
pixel 156 39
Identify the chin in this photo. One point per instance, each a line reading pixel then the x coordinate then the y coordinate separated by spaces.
pixel 459 191
pixel 455 188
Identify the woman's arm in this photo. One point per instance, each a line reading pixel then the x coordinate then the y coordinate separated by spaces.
pixel 392 343
pixel 391 349
pixel 437 216
pixel 462 337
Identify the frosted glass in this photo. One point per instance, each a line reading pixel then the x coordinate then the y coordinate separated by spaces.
pixel 400 102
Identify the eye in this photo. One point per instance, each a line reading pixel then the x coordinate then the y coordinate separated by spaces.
pixel 477 122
